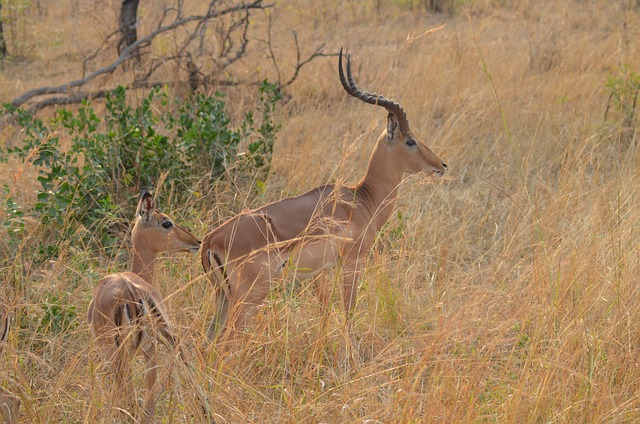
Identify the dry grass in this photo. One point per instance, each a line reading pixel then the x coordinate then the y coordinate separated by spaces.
pixel 507 292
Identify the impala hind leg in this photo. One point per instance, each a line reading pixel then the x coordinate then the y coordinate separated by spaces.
pixel 311 261
pixel 150 377
pixel 120 370
pixel 245 308
pixel 253 284
pixel 9 406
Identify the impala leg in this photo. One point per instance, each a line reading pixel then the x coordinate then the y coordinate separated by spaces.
pixel 245 308
pixel 324 292
pixel 310 261
pixel 124 395
pixel 254 282
pixel 150 377
pixel 119 368
pixel 320 283
pixel 9 407
pixel 350 279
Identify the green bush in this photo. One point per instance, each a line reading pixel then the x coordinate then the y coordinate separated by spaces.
pixel 92 184
pixel 623 91
pixel 59 317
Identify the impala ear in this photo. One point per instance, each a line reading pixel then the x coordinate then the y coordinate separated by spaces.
pixel 392 128
pixel 146 204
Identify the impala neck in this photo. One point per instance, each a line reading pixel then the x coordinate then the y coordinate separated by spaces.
pixel 378 189
pixel 144 262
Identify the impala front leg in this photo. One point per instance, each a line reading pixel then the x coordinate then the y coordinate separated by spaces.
pixel 323 291
pixel 350 280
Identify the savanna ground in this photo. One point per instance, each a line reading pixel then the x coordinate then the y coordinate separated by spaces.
pixel 506 292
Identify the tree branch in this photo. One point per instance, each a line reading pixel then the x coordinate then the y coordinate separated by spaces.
pixel 76 98
pixel 318 52
pixel 299 64
pixel 125 55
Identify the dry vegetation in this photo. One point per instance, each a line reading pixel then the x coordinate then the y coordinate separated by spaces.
pixel 507 292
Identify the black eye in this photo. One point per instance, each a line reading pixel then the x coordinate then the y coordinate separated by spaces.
pixel 167 224
pixel 411 142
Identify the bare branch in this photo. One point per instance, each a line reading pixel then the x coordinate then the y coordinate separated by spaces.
pixel 318 52
pixel 272 55
pixel 69 99
pixel 97 52
pixel 126 53
pixel 226 57
pixel 79 97
pixel 299 64
pixel 227 41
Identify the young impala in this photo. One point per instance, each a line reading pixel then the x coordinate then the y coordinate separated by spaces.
pixel 327 226
pixel 127 315
pixel 9 403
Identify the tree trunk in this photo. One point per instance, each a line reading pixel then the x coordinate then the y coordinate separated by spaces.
pixel 128 25
pixel 3 44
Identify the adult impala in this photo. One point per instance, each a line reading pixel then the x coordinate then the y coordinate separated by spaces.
pixel 327 226
pixel 127 315
pixel 9 403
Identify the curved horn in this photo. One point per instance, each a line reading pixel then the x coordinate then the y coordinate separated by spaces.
pixel 371 98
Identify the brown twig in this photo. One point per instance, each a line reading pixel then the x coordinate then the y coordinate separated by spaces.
pixel 300 63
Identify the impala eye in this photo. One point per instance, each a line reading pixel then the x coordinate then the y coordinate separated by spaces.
pixel 167 224
pixel 411 142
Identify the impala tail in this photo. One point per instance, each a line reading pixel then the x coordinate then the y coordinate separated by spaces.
pixel 127 323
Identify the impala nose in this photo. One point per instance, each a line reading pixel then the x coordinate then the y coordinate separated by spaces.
pixel 440 172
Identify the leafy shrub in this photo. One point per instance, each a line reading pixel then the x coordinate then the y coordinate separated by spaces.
pixel 623 96
pixel 58 317
pixel 93 182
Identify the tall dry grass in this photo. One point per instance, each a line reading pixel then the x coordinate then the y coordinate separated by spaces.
pixel 508 291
